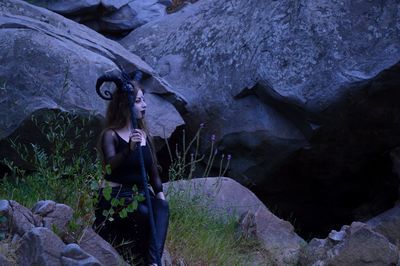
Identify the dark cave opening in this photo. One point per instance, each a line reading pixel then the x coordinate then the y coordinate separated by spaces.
pixel 315 206
pixel 346 173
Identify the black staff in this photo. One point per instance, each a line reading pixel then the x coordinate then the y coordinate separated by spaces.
pixel 123 81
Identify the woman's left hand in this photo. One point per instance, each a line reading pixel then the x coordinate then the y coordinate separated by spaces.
pixel 160 195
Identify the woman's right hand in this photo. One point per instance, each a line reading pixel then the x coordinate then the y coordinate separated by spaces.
pixel 135 137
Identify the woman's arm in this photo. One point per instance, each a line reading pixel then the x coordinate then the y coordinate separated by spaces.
pixel 156 183
pixel 111 157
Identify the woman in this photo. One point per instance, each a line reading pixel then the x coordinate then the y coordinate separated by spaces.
pixel 119 147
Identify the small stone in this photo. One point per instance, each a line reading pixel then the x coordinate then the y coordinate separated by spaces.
pixel 73 255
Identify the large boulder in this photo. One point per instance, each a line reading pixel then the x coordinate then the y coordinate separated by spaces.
pixel 20 219
pixel 4 261
pixel 356 244
pixel 73 255
pixel 91 243
pixel 105 16
pixel 33 244
pixel 221 195
pixel 35 77
pixel 190 50
pixel 388 224
pixel 302 94
pixel 50 62
pixel 55 216
pixel 40 246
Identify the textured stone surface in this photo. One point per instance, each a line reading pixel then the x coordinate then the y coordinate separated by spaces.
pixel 4 261
pixel 73 255
pixel 64 76
pixel 303 94
pixel 40 246
pixel 20 219
pixel 53 214
pixel 166 258
pixel 360 245
pixel 228 197
pixel 289 62
pixel 108 16
pixel 388 224
pixel 50 62
pixel 94 245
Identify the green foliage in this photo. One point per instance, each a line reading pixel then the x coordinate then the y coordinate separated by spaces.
pixel 118 205
pixel 183 166
pixel 197 235
pixel 201 237
pixel 63 171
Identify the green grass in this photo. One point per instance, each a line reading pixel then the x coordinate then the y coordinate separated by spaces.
pixel 63 171
pixel 201 237
pixel 70 175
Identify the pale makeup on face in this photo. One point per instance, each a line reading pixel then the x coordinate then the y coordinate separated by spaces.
pixel 140 105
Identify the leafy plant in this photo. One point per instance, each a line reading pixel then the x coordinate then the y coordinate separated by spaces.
pixel 63 171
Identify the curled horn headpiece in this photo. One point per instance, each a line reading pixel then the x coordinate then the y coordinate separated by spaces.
pixel 121 79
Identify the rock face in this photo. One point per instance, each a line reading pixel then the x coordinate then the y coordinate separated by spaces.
pixel 36 243
pixel 50 62
pixel 4 261
pixel 357 244
pixel 228 197
pixel 19 219
pixel 73 255
pixel 53 215
pixel 94 245
pixel 63 77
pixel 388 224
pixel 291 87
pixel 105 16
pixel 40 246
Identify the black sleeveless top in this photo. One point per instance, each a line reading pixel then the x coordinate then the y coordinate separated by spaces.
pixel 128 172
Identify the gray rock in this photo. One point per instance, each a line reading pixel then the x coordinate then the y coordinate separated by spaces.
pixel 108 16
pixel 53 214
pixel 388 224
pixel 166 3
pixel 69 7
pixel 35 77
pixel 221 194
pixel 261 72
pixel 7 252
pixel 113 5
pixel 4 220
pixel 97 247
pixel 4 261
pixel 40 246
pixel 166 259
pixel 360 246
pixel 129 17
pixel 73 255
pixel 20 219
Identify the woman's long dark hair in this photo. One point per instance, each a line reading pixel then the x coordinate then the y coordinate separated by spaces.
pixel 117 115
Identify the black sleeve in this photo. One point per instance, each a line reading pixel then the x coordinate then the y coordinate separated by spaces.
pixel 108 145
pixel 155 180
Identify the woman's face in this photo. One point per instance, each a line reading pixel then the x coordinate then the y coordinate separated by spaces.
pixel 140 105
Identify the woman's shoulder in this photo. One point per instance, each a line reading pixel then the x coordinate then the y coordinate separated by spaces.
pixel 109 133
